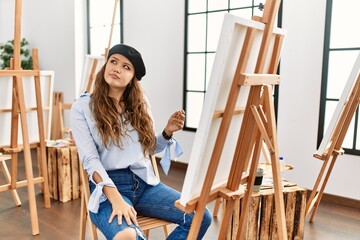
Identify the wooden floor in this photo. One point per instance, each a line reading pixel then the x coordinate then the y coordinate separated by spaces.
pixel 61 221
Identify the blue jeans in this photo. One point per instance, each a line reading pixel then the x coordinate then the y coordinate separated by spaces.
pixel 151 201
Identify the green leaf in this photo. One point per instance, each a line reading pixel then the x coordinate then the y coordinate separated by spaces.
pixel 7 51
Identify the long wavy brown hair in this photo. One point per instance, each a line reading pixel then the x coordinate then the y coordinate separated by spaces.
pixel 108 119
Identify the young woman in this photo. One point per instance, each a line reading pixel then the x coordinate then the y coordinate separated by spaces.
pixel 114 133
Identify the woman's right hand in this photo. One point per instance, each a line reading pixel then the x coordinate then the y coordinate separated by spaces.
pixel 122 209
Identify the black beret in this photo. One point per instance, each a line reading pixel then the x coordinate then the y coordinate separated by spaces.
pixel 133 55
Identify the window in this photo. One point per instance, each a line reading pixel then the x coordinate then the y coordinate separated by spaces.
pixel 203 24
pixel 341 47
pixel 100 14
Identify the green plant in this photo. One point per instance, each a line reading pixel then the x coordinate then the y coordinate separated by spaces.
pixel 7 51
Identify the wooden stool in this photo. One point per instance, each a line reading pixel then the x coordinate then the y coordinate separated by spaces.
pixel 261 222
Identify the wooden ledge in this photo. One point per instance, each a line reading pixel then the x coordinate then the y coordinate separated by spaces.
pixel 11 150
pixel 20 73
pixel 247 79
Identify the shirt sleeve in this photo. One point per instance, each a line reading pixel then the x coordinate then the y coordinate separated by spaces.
pixel 88 154
pixel 161 144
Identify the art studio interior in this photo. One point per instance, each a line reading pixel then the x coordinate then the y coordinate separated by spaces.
pixel 260 96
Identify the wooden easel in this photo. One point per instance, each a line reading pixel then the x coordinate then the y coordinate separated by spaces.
pixel 258 125
pixel 19 108
pixel 333 149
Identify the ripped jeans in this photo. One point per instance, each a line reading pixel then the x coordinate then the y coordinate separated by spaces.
pixel 152 201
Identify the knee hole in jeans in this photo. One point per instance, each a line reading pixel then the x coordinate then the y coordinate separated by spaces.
pixel 126 234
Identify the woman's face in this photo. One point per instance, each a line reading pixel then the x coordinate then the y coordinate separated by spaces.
pixel 119 71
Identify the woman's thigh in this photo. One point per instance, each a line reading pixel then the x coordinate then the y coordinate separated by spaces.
pixel 158 201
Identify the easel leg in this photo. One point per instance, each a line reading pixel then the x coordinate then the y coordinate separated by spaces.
pixel 42 148
pixel 279 199
pixel 217 206
pixel 312 198
pixel 226 219
pixel 275 165
pixel 27 159
pixel 14 134
pixel 195 225
pixel 314 202
pixel 44 174
pixel 249 188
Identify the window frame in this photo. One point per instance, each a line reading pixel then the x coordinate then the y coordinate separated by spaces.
pixel 324 83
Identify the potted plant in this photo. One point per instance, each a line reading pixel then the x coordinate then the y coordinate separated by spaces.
pixel 7 51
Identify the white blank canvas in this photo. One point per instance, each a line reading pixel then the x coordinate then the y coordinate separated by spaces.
pixel 46 83
pixel 89 59
pixel 326 141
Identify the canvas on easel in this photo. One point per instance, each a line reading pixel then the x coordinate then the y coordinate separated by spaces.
pixel 331 144
pixel 239 102
pixel 6 85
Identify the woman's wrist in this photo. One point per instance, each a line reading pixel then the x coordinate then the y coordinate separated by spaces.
pixel 166 135
pixel 112 194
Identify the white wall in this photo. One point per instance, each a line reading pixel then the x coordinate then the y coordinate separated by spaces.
pixel 300 99
pixel 156 29
pixel 49 25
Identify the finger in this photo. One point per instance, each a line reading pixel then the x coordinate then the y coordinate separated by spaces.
pixel 133 217
pixel 181 116
pixel 179 123
pixel 127 219
pixel 173 115
pixel 134 211
pixel 111 217
pixel 182 111
pixel 179 113
pixel 134 220
pixel 119 216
